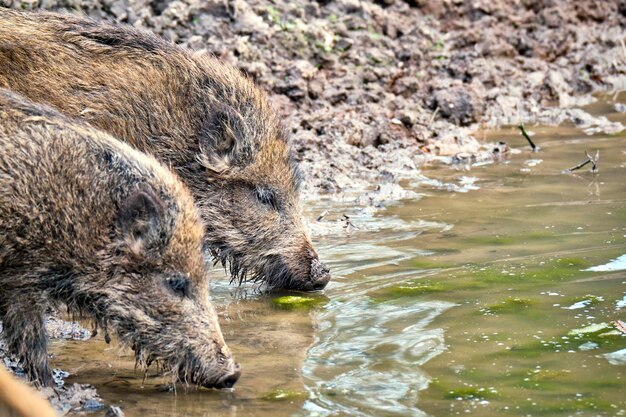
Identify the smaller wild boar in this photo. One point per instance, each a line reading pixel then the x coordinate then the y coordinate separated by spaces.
pixel 202 118
pixel 89 222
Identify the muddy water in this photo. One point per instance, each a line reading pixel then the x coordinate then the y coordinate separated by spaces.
pixel 492 294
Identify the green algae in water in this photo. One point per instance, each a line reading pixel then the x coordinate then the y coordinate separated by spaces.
pixel 548 374
pixel 462 393
pixel 477 276
pixel 543 272
pixel 497 240
pixel 575 405
pixel 491 276
pixel 559 269
pixel 425 287
pixel 603 335
pixel 509 305
pixel 533 237
pixel 444 251
pixel 295 302
pixel 584 301
pixel 468 393
pixel 284 395
pixel 545 379
pixel 593 328
pixel 576 263
pixel 416 289
pixel 422 263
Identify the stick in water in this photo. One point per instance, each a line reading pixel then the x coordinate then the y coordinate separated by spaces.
pixel 532 145
pixel 593 161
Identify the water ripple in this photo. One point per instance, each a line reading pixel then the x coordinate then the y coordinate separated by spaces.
pixel 367 356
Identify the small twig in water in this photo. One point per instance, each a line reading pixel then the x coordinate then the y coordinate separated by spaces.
pixel 348 224
pixel 321 216
pixel 579 166
pixel 532 145
pixel 593 161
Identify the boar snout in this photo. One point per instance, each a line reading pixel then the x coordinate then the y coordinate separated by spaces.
pixel 203 372
pixel 301 271
pixel 228 380
pixel 319 276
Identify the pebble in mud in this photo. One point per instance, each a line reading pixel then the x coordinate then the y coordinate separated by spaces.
pixel 114 411
pixel 455 104
pixel 75 397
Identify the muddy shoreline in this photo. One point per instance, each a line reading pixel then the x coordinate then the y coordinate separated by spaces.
pixel 371 91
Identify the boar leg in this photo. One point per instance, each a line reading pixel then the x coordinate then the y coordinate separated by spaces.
pixel 25 333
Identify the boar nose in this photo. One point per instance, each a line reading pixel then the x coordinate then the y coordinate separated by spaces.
pixel 320 275
pixel 228 380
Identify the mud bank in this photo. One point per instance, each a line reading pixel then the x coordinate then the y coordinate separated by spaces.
pixel 371 90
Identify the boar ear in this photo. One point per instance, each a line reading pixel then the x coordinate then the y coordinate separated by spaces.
pixel 142 219
pixel 220 138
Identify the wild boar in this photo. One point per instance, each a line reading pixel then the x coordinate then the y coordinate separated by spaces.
pixel 202 118
pixel 88 221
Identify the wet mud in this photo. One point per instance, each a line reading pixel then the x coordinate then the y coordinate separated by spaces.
pixel 370 91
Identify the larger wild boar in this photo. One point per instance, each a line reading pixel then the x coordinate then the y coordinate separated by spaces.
pixel 202 118
pixel 87 221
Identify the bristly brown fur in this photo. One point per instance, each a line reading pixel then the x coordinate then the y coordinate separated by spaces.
pixel 199 116
pixel 87 221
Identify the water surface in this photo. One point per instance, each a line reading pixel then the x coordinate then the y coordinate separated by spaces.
pixel 493 294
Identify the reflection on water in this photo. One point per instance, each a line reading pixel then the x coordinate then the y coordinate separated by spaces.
pixel 494 294
pixel 369 350
pixel 268 341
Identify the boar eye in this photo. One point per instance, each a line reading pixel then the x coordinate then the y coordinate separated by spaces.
pixel 179 285
pixel 267 197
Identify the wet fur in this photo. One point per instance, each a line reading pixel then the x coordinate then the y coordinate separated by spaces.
pixel 89 222
pixel 204 119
